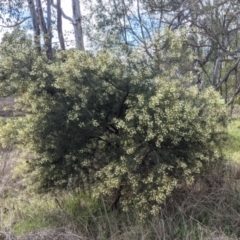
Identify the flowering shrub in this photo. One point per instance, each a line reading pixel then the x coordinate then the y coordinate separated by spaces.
pixel 118 131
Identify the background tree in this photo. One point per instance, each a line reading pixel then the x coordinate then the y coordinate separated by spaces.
pixel 42 15
pixel 212 28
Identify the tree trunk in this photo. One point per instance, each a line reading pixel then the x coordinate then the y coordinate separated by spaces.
pixel 49 30
pixel 35 22
pixel 77 24
pixel 46 32
pixel 59 25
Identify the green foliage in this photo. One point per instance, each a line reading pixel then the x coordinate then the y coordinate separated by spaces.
pixel 16 54
pixel 98 123
pixel 232 147
pixel 166 138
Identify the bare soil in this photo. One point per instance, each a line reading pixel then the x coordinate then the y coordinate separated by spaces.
pixel 6 106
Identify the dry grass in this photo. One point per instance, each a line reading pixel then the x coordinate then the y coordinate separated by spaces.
pixel 8 160
pixel 50 234
pixel 199 212
pixel 208 210
pixel 43 234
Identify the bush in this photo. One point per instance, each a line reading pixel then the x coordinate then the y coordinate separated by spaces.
pixel 120 132
pixel 165 140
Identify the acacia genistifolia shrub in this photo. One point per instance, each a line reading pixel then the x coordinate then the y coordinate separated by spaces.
pixel 114 129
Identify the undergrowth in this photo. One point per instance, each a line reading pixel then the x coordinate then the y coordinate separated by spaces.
pixel 198 212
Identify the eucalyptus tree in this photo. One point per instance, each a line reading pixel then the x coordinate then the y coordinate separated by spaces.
pixel 121 23
pixel 127 27
pixel 76 21
pixel 42 15
pixel 211 27
pixel 11 13
pixel 213 30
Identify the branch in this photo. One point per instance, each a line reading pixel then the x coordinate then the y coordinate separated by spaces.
pixel 215 37
pixel 228 74
pixel 206 58
pixel 63 14
pixel 121 107
pixel 106 79
pixel 234 95
pixel 204 70
pixel 216 70
pixel 17 24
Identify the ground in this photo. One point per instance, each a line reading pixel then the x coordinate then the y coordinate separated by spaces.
pixel 6 106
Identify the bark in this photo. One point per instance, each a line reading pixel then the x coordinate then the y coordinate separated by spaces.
pixel 77 24
pixel 48 36
pixel 45 30
pixel 35 22
pixel 216 71
pixel 59 25
pixel 76 21
pixel 42 23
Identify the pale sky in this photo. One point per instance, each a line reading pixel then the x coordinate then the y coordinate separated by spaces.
pixel 67 8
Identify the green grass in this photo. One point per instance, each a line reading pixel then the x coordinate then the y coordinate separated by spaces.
pixel 26 215
pixel 232 148
pixel 45 211
pixel 196 215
